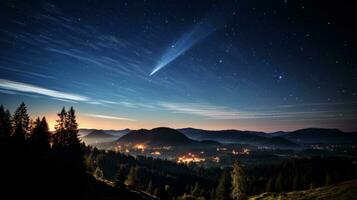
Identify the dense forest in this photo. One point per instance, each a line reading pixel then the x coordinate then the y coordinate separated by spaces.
pixel 40 163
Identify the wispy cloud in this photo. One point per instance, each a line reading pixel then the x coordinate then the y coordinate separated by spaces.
pixel 108 117
pixel 28 88
pixel 324 104
pixel 208 111
pixel 28 73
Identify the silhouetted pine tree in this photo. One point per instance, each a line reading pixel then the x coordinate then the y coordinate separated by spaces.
pixel 239 182
pixel 120 177
pixel 328 180
pixel 66 142
pixel 5 126
pixel 196 192
pixel 279 183
pixel 269 187
pixel 72 141
pixel 21 123
pixel 60 134
pixel 149 188
pixel 224 186
pixel 295 183
pixel 132 180
pixel 40 137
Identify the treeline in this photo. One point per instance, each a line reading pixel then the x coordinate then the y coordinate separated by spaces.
pixel 36 159
pixel 38 163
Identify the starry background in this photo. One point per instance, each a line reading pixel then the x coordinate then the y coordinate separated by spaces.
pixel 267 65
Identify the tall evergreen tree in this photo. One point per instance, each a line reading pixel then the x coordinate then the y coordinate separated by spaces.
pixel 132 180
pixel 149 188
pixel 239 182
pixel 295 183
pixel 279 187
pixel 5 126
pixel 328 180
pixel 224 186
pixel 120 177
pixel 60 127
pixel 269 187
pixel 66 141
pixel 72 139
pixel 21 123
pixel 196 190
pixel 40 137
pixel 61 122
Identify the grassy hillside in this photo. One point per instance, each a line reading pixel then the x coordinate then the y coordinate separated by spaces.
pixel 343 191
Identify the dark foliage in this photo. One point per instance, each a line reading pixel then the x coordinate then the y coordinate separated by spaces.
pixel 39 164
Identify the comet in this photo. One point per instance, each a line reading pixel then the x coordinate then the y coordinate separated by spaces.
pixel 188 40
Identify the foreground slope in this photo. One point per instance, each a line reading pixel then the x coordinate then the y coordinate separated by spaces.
pixel 343 191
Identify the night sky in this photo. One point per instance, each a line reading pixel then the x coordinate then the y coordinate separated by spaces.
pixel 250 65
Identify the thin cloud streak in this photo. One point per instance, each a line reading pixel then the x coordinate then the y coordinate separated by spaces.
pixel 28 88
pixel 109 117
pixel 225 113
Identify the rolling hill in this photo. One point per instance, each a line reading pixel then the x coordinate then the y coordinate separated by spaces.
pixel 160 137
pixel 240 137
pixel 98 134
pixel 319 135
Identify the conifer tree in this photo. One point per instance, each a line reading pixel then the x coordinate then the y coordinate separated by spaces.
pixel 295 183
pixel 224 186
pixel 66 142
pixel 21 123
pixel 60 127
pixel 5 126
pixel 279 183
pixel 239 183
pixel 196 190
pixel 149 188
pixel 132 180
pixel 120 177
pixel 328 180
pixel 269 187
pixel 40 137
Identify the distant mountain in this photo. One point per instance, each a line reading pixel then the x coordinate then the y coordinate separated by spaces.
pixel 278 142
pixel 98 134
pixel 160 137
pixel 156 137
pixel 117 133
pixel 83 132
pixel 320 135
pixel 238 137
pixel 277 134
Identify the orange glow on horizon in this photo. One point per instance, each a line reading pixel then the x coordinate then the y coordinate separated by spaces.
pixel 108 124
